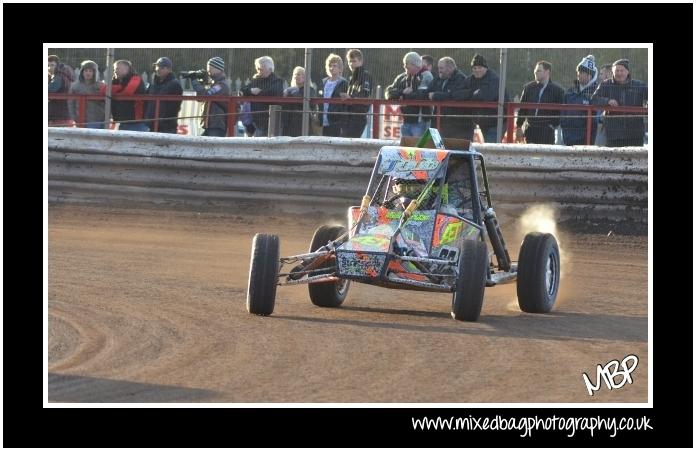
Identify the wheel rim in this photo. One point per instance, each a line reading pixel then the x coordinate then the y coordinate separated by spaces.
pixel 341 287
pixel 551 272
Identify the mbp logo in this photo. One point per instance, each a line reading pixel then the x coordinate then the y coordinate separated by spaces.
pixel 609 373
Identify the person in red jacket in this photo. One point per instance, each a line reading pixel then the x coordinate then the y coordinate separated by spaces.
pixel 128 113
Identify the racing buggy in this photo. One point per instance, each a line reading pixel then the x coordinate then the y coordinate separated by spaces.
pixel 425 223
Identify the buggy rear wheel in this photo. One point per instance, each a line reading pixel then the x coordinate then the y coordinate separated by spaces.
pixel 327 294
pixel 467 299
pixel 538 273
pixel 263 274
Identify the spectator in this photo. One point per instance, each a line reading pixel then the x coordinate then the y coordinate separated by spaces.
pixel 622 90
pixel 128 113
pixel 332 88
pixel 164 83
pixel 214 116
pixel 601 137
pixel 605 73
pixel 412 85
pixel 60 76
pixel 539 130
pixel 484 88
pixel 452 84
pixel 88 83
pixel 359 87
pixel 574 123
pixel 428 62
pixel 292 125
pixel 264 83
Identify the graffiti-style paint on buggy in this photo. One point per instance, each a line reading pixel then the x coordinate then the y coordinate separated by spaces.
pixel 409 162
pixel 422 224
pixel 440 237
pixel 361 264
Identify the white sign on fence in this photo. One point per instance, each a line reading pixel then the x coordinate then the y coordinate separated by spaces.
pixel 390 121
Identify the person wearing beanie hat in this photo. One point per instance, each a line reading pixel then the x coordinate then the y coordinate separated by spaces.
pixel 214 115
pixel 622 90
pixel 588 65
pixel 217 62
pixel 622 62
pixel 478 60
pixel 574 123
pixel 88 83
pixel 621 72
pixel 164 83
pixel 484 88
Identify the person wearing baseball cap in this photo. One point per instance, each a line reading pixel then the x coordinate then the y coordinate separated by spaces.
pixel 164 83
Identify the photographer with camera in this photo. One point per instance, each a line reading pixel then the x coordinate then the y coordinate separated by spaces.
pixel 164 83
pixel 214 116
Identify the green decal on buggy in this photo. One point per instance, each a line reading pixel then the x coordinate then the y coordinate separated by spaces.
pixel 451 232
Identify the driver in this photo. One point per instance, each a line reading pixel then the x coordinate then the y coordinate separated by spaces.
pixel 407 190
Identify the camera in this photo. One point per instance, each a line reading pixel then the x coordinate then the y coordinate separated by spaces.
pixel 201 74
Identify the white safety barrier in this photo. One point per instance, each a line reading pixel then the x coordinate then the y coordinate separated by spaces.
pixel 313 174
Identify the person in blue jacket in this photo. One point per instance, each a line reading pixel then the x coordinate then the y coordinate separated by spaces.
pixel 574 122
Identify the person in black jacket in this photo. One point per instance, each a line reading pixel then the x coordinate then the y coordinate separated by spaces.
pixel 540 125
pixel 266 84
pixel 164 83
pixel 359 87
pixel 485 85
pixel 452 84
pixel 622 90
pixel 292 120
pixel 412 85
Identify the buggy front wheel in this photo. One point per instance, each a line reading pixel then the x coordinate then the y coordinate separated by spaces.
pixel 538 273
pixel 263 274
pixel 467 299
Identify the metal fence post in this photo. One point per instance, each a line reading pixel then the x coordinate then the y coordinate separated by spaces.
pixel 307 91
pixel 375 116
pixel 501 94
pixel 107 103
pixel 273 120
pixel 588 135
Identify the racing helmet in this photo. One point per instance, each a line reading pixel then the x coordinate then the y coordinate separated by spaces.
pixel 408 188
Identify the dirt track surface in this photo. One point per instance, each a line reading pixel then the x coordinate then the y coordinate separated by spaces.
pixel 149 306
